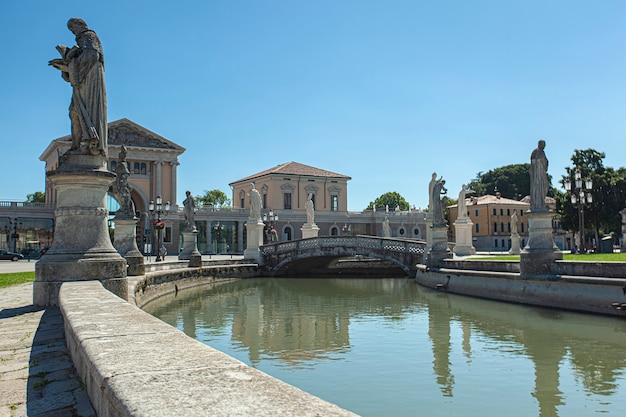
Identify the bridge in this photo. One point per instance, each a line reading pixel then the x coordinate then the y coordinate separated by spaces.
pixel 333 255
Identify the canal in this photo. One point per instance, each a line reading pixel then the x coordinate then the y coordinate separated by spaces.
pixel 387 347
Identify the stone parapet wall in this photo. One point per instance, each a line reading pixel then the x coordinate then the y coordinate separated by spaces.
pixel 136 365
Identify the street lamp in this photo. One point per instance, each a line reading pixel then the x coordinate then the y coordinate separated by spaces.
pixel 346 230
pixel 156 210
pixel 270 232
pixel 581 196
pixel 218 231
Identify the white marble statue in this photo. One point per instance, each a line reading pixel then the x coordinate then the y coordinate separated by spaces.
pixel 255 203
pixel 514 224
pixel 462 204
pixel 386 228
pixel 310 209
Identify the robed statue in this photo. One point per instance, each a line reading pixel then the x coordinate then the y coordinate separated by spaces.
pixel 439 200
pixel 82 66
pixel 538 178
pixel 189 210
pixel 121 188
pixel 310 209
pixel 255 203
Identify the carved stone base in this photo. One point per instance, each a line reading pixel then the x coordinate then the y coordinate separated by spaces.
pixel 190 249
pixel 125 243
pixel 540 253
pixel 463 233
pixel 81 249
pixel 439 249
pixel 254 230
pixel 309 230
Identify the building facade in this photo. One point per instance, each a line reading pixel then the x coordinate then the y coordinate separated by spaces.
pixel 153 164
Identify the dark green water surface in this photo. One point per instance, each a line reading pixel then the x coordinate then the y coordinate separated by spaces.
pixel 387 347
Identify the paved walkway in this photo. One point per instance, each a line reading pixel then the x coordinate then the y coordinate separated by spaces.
pixel 37 377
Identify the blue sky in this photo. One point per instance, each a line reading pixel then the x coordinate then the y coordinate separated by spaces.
pixel 386 92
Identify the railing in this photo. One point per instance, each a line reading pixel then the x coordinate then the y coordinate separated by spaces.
pixel 405 251
pixel 11 204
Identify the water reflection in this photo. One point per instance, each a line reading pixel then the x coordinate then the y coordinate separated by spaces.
pixel 539 355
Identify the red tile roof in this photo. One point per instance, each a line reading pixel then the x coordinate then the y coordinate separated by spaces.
pixel 294 168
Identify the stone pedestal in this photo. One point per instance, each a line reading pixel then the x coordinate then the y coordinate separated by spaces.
pixel 463 233
pixel 515 247
pixel 125 243
pixel 82 249
pixel 540 252
pixel 309 230
pixel 439 249
pixel 190 250
pixel 254 230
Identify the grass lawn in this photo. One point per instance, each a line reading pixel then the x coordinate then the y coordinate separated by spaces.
pixel 592 257
pixel 14 278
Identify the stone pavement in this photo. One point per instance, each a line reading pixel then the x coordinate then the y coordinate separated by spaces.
pixel 37 377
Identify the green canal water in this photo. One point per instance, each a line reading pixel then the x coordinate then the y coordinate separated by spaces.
pixel 387 347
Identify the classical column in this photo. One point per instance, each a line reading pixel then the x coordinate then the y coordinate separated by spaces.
pixel 159 178
pixel 174 165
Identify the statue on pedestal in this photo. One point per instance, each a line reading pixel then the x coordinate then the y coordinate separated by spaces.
pixel 83 67
pixel 514 224
pixel 538 178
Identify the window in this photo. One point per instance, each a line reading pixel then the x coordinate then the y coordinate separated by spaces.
pixel 495 243
pixel 501 212
pixel 334 231
pixel 136 168
pixel 521 212
pixel 503 244
pixel 494 212
pixel 508 212
pixel 401 231
pixel 287 202
pixel 334 203
pixel 143 168
pixel 477 228
pixel 509 227
pixel 113 165
pixel 287 233
pixel 476 212
pixel 495 227
pixel 522 225
pixel 264 200
pixel 502 227
pixel 243 200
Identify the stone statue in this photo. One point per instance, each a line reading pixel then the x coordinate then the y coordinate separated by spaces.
pixel 461 204
pixel 121 188
pixel 431 186
pixel 438 199
pixel 83 67
pixel 386 228
pixel 514 224
pixel 189 211
pixel 310 209
pixel 538 178
pixel 255 203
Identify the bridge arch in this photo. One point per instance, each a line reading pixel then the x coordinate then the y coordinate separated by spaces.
pixel 324 253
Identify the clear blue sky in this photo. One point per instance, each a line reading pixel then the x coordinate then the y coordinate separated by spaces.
pixel 386 92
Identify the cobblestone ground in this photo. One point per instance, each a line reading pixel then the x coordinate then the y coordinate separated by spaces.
pixel 37 377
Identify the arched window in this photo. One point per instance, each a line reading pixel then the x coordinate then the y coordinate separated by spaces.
pixel 287 233
pixel 143 168
pixel 334 231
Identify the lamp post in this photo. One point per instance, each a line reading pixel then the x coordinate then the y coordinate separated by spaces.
pixel 270 232
pixel 218 231
pixel 156 210
pixel 14 235
pixel 581 196
pixel 346 230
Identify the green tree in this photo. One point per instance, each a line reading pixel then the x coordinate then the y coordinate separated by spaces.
pixel 215 198
pixel 391 199
pixel 608 193
pixel 512 181
pixel 36 197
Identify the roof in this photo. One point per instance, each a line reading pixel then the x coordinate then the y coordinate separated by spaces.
pixel 294 168
pixel 492 199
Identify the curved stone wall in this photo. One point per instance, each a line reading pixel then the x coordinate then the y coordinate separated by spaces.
pixel 133 364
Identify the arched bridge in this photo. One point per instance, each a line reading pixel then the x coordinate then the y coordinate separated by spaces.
pixel 314 256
